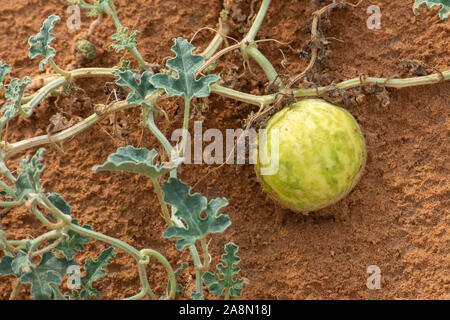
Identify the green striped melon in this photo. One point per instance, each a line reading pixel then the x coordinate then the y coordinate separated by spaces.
pixel 321 155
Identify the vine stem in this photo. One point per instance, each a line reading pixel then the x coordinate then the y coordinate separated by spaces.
pixel 392 83
pixel 264 63
pixel 150 122
pixel 99 236
pixel 249 48
pixel 227 294
pixel 187 104
pixel 58 69
pixel 43 92
pixel 47 248
pixel 218 38
pixel 10 149
pixel 36 242
pixel 134 51
pixel 206 255
pixel 41 217
pixel 166 264
pixel 10 203
pixel 14 148
pixel 198 268
pixel 251 34
pixel 163 204
pixel 16 290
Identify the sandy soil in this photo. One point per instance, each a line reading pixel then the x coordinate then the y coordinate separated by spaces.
pixel 397 217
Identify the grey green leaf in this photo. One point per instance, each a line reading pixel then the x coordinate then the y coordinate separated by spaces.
pixel 5 266
pixel 189 209
pixel 15 265
pixel 179 288
pixel 444 4
pixel 123 40
pixel 186 64
pixel 59 203
pixel 40 44
pixel 49 271
pixel 4 70
pixel 136 160
pixel 41 283
pixel 139 90
pixel 29 178
pixel 14 93
pixel 94 272
pixel 218 284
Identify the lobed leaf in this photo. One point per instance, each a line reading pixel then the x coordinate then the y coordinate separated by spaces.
pixel 445 7
pixel 40 44
pixel 189 209
pixel 41 283
pixel 5 266
pixel 59 203
pixel 49 271
pixel 197 296
pixel 13 95
pixel 123 40
pixel 136 160
pixel 4 70
pixel 139 90
pixel 29 179
pixel 14 265
pixel 186 65
pixel 94 9
pixel 179 287
pixel 217 285
pixel 94 272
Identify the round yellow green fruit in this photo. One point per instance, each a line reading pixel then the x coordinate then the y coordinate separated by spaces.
pixel 312 155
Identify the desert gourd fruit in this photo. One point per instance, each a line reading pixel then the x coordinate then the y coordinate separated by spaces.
pixel 312 155
pixel 86 49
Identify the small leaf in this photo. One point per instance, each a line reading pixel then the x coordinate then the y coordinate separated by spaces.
pixel 218 285
pixel 445 7
pixel 49 271
pixel 29 179
pixel 94 272
pixel 179 288
pixel 94 9
pixel 15 265
pixel 189 209
pixel 6 266
pixel 4 70
pixel 59 203
pixel 186 65
pixel 13 95
pixel 197 296
pixel 41 283
pixel 21 264
pixel 124 65
pixel 40 44
pixel 138 90
pixel 123 40
pixel 137 160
